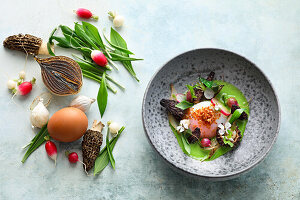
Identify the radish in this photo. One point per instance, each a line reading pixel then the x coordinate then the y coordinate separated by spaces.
pixel 85 13
pixel 224 110
pixel 99 58
pixel 73 158
pixel 51 150
pixel 25 87
pixel 180 97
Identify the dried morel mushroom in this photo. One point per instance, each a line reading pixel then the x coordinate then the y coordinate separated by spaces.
pixel 244 115
pixel 236 137
pixel 211 76
pixel 170 106
pixel 199 94
pixel 195 136
pixel 27 43
pixel 92 141
pixel 61 75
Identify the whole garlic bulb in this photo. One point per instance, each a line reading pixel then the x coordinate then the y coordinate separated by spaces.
pixel 39 115
pixel 82 102
pixel 114 128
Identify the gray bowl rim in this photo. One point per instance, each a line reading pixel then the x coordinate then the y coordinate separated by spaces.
pixel 213 177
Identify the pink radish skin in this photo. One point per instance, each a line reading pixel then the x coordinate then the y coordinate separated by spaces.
pixel 189 96
pixel 99 58
pixel 73 158
pixel 224 110
pixel 24 88
pixel 85 13
pixel 180 97
pixel 51 150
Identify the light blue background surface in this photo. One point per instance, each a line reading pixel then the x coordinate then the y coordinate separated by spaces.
pixel 266 32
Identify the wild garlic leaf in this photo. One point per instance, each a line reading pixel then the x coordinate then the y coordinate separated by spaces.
pixel 184 105
pixel 191 89
pixel 109 151
pixel 82 35
pixel 103 158
pixel 93 33
pixel 186 144
pixel 102 96
pixel 116 39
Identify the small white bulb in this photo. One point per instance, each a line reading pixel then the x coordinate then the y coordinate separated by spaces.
pixel 22 74
pixel 11 84
pixel 114 128
pixel 118 21
pixel 39 115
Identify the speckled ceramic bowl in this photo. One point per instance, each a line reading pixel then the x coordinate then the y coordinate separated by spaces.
pixel 264 120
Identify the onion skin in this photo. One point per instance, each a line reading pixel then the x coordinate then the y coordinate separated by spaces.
pixel 61 75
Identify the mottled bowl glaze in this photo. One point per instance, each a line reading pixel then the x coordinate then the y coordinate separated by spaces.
pixel 262 128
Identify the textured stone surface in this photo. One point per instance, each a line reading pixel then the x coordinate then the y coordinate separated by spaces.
pixel 266 32
pixel 261 130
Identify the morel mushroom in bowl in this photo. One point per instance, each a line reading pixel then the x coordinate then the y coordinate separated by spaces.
pixel 211 113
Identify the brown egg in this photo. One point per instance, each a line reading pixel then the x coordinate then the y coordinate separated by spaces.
pixel 67 124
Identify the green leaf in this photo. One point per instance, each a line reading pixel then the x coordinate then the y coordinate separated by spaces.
pixel 236 114
pixel 110 155
pixel 50 42
pixel 103 158
pixel 186 144
pixel 116 39
pixel 62 41
pixel 67 30
pixel 227 142
pixel 124 50
pixel 102 96
pixel 49 49
pixel 207 83
pixel 178 137
pixel 83 36
pixel 119 57
pixel 36 142
pixel 191 89
pixel 72 41
pixel 184 105
pixel 93 33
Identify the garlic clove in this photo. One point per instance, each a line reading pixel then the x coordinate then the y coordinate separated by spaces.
pixel 114 128
pixel 39 116
pixel 82 102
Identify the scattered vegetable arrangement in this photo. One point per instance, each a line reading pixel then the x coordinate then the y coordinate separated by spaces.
pixel 63 76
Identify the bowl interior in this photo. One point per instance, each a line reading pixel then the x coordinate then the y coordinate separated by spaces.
pixel 261 130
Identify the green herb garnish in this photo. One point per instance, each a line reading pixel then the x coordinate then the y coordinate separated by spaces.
pixel 103 158
pixel 191 89
pixel 236 114
pixel 228 142
pixel 110 155
pixel 102 96
pixel 186 144
pixel 36 142
pixel 184 105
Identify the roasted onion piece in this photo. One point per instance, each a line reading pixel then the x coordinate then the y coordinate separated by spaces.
pixel 61 75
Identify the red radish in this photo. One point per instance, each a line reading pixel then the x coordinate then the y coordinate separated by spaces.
pixel 73 158
pixel 225 111
pixel 85 13
pixel 205 142
pixel 25 87
pixel 99 58
pixel 232 101
pixel 51 150
pixel 180 97
pixel 189 96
